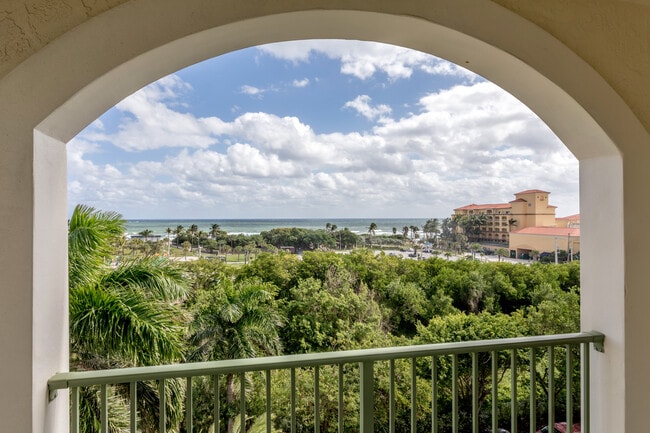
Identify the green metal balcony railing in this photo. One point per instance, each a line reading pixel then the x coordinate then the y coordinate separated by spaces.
pixel 465 384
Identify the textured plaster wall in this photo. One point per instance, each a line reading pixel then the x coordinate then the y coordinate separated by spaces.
pixel 612 36
pixel 26 26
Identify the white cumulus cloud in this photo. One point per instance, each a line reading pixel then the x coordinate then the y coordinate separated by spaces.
pixel 362 105
pixel 301 83
pixel 251 90
pixel 471 142
pixel 365 59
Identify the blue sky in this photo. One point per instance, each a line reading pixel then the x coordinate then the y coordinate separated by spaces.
pixel 317 129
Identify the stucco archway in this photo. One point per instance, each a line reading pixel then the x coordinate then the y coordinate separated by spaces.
pixel 46 102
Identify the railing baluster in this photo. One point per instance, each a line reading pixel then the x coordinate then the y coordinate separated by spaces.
pixel 103 417
pixel 495 415
pixel 340 400
pixel 316 399
pixel 533 392
pixel 268 401
pixel 391 396
pixel 367 397
pixel 585 388
pixel 474 392
pixel 366 359
pixel 414 397
pixel 217 404
pixel 513 390
pixel 242 401
pixel 189 408
pixel 133 405
pixel 569 387
pixel 162 407
pixel 293 400
pixel 74 416
pixel 434 394
pixel 454 392
pixel 551 387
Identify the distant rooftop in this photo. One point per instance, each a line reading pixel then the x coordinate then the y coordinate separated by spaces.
pixel 531 191
pixel 485 206
pixel 548 231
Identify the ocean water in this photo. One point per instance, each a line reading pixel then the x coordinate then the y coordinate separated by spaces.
pixel 256 226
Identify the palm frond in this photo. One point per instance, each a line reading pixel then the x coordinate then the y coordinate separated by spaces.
pixel 237 321
pixel 149 403
pixel 90 233
pixel 156 277
pixel 90 409
pixel 126 325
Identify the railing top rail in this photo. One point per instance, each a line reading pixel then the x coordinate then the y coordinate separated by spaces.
pixel 126 375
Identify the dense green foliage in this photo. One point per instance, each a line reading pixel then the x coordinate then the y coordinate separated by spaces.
pixel 331 301
pixel 148 311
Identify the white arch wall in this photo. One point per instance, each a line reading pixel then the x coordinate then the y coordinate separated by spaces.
pixel 70 82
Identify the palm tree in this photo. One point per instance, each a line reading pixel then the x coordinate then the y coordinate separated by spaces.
pixel 177 231
pixel 405 231
pixel 215 229
pixel 193 231
pixel 371 231
pixel 235 322
pixel 168 230
pixel 123 316
pixel 431 228
pixel 145 234
pixel 201 235
pixel 472 225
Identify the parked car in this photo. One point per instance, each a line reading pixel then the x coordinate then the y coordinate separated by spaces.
pixel 561 427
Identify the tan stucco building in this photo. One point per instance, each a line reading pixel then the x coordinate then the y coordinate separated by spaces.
pixel 580 65
pixel 529 242
pixel 526 224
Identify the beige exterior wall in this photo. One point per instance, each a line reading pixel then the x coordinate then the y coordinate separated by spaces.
pixel 534 211
pixel 568 222
pixel 581 65
pixel 542 243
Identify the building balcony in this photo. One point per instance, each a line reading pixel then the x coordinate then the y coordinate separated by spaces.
pixel 468 386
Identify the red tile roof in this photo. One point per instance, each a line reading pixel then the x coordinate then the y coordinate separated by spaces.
pixel 485 206
pixel 530 191
pixel 548 231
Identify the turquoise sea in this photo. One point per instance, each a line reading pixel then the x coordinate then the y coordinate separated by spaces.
pixel 256 226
